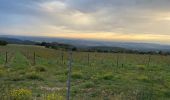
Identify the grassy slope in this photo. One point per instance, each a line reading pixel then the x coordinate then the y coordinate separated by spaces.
pixel 131 79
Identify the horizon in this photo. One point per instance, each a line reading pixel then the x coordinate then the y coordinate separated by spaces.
pixel 76 39
pixel 137 21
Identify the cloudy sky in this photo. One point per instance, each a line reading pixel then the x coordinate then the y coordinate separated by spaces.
pixel 114 20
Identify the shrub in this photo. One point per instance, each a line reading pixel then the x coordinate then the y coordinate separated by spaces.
pixel 141 67
pixel 3 43
pixel 62 78
pixel 21 94
pixel 143 78
pixel 54 96
pixel 77 75
pixel 40 69
pixel 107 76
pixel 16 78
pixel 2 72
pixel 22 72
pixel 167 93
pixel 34 76
pixel 88 85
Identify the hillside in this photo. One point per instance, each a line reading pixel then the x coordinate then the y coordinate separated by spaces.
pixel 81 43
pixel 42 73
pixel 17 41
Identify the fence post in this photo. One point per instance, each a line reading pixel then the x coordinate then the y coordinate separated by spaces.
pixel 34 58
pixel 6 57
pixel 149 61
pixel 88 58
pixel 123 61
pixel 69 75
pixel 62 58
pixel 117 61
pixel 27 54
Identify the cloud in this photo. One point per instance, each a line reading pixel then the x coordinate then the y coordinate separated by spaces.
pixel 42 17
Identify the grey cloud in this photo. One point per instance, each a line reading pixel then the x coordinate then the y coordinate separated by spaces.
pixel 126 16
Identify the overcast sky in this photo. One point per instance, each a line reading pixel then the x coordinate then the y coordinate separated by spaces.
pixel 115 20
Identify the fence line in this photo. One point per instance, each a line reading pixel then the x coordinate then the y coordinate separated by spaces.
pixel 69 75
pixel 70 60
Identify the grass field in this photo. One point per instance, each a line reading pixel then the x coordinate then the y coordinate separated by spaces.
pixel 99 76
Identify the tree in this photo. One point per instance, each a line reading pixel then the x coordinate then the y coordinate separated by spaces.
pixel 3 43
pixel 74 49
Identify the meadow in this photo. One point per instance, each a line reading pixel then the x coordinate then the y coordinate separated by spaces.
pixel 38 73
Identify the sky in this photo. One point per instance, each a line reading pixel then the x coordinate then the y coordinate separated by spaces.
pixel 110 20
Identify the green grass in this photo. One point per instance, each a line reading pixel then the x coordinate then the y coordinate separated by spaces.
pixel 102 79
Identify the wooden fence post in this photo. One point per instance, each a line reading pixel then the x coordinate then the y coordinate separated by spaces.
pixel 34 59
pixel 6 57
pixel 149 61
pixel 88 58
pixel 117 61
pixel 62 57
pixel 69 75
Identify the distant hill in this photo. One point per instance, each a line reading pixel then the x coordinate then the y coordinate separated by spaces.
pixel 55 45
pixel 17 41
pixel 103 49
pixel 80 43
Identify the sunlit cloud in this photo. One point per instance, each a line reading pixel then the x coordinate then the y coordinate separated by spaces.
pixel 113 20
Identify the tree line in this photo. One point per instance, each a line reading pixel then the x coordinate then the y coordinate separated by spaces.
pixel 101 49
pixel 3 43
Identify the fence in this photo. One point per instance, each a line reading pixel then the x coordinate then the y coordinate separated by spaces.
pixel 87 70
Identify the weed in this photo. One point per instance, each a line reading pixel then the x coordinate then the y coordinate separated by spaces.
pixel 108 76
pixel 54 96
pixel 88 85
pixel 77 75
pixel 21 94
pixel 141 67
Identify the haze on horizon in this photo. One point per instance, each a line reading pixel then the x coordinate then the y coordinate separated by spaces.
pixel 114 20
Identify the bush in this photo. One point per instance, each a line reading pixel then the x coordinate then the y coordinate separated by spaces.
pixel 40 69
pixel 88 85
pixel 108 76
pixel 2 72
pixel 77 75
pixel 54 96
pixel 141 67
pixel 62 78
pixel 21 94
pixel 3 43
pixel 143 78
pixel 34 76
pixel 16 78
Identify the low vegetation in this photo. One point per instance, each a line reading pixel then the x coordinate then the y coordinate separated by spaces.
pixel 95 76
